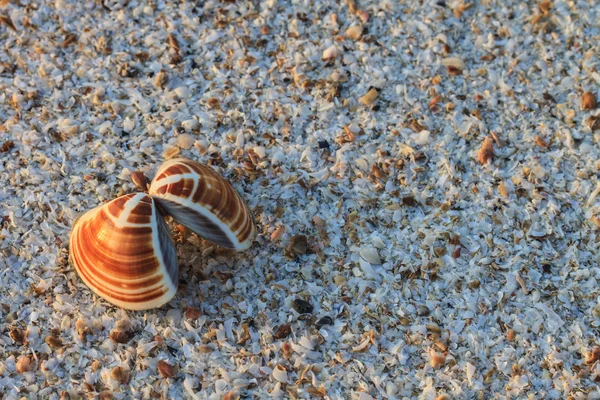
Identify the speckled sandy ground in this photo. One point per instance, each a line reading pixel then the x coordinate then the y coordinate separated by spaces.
pixel 441 158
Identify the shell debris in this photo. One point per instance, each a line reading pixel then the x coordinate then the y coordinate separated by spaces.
pixel 380 258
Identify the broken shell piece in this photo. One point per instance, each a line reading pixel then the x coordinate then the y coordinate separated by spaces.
pixel 454 62
pixel 204 202
pixel 139 180
pixel 354 32
pixel 330 53
pixel 370 254
pixel 588 101
pixel 363 15
pixel 437 359
pixel 185 141
pixel 280 374
pixel 24 365
pixel 486 152
pixel 370 97
pixel 123 251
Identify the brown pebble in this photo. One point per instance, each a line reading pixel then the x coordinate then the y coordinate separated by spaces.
pixel 54 342
pixel 70 38
pixel 588 101
pixel 475 284
pixel 510 335
pixel 354 32
pixel 283 331
pixel 165 369
pixel 105 395
pixel 7 146
pixel 423 311
pixel 18 335
pixel 437 359
pixel 23 364
pixel 119 336
pixel 96 364
pixel 192 313
pixel 592 356
pixel 161 79
pixel 486 152
pixel 120 374
pixel 370 97
pixel 139 180
pixel 540 142
pixel 298 245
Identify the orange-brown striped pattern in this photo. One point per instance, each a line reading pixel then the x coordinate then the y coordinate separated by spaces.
pixel 123 251
pixel 200 199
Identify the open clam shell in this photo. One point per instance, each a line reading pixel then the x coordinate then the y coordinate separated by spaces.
pixel 200 199
pixel 124 252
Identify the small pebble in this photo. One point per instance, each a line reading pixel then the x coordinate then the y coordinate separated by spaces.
pixel 422 310
pixel 323 322
pixel 370 97
pixel 283 331
pixel 165 369
pixel 302 306
pixel 588 101
pixel 354 32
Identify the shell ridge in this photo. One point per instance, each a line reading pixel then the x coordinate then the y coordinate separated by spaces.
pixel 180 214
pixel 165 248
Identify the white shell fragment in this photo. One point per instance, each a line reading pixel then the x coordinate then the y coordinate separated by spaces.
pixel 331 53
pixel 370 254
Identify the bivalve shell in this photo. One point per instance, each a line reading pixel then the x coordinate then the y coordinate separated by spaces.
pixel 123 251
pixel 199 198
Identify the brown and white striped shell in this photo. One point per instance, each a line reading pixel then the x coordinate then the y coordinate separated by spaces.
pixel 124 252
pixel 199 198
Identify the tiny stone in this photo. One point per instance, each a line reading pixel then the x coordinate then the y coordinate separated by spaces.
pixel 18 335
pixel 354 32
pixel 302 306
pixel 165 369
pixel 283 331
pixel 185 141
pixel 370 255
pixel 323 144
pixel 330 53
pixel 23 364
pixel 298 245
pixel 161 79
pixel 119 336
pixel 370 97
pixel 54 342
pixel 324 321
pixel 192 313
pixel 139 180
pixel 588 101
pixel 422 310
pixel 7 146
pixel 120 374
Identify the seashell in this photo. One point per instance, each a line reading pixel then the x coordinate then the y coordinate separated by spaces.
pixel 123 251
pixel 201 200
